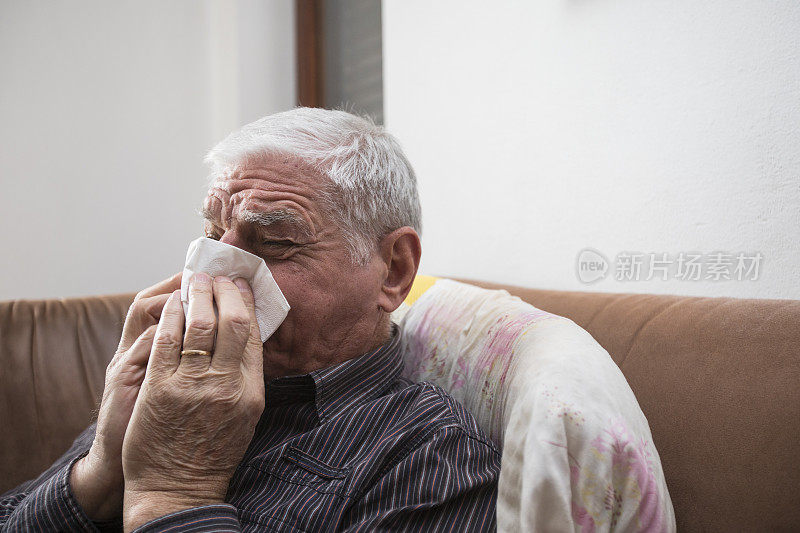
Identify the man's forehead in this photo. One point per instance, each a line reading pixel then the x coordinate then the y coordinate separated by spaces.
pixel 277 195
pixel 270 174
pixel 276 176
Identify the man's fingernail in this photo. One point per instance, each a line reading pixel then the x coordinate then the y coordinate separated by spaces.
pixel 222 279
pixel 242 284
pixel 201 277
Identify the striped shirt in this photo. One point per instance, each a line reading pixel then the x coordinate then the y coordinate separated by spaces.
pixel 353 447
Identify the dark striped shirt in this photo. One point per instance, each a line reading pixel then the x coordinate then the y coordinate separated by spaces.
pixel 354 447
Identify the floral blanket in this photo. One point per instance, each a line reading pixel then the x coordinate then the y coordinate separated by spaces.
pixel 577 450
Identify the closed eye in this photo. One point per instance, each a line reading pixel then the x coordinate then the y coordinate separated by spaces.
pixel 284 243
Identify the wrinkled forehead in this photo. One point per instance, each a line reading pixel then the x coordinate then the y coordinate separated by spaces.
pixel 276 183
pixel 270 173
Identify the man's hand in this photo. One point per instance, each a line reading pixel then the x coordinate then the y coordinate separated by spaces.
pixel 196 414
pixel 96 480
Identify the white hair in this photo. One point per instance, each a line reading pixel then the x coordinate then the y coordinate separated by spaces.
pixel 374 189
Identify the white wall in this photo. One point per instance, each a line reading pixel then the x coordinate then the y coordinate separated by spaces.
pixel 106 111
pixel 541 128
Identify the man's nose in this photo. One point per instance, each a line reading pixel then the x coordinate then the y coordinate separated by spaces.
pixel 233 238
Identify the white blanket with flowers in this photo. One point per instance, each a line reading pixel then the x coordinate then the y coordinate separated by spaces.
pixel 577 450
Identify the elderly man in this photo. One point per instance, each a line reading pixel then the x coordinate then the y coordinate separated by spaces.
pixel 204 428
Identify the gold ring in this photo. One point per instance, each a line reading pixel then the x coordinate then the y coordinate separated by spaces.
pixel 195 352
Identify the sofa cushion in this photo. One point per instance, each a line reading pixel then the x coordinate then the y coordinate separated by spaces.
pixel 577 450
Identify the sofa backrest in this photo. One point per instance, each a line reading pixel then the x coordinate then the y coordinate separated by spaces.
pixel 53 356
pixel 717 378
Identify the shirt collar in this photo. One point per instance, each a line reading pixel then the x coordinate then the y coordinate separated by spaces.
pixel 290 389
pixel 338 388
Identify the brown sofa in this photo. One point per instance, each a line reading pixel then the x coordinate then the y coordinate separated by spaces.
pixel 717 378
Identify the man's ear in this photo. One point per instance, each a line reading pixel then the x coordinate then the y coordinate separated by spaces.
pixel 400 251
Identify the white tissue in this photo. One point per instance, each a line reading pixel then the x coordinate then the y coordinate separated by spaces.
pixel 219 259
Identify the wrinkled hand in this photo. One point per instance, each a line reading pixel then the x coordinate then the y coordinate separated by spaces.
pixel 97 479
pixel 195 414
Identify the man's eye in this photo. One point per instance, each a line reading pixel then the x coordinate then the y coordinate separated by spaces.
pixel 278 244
